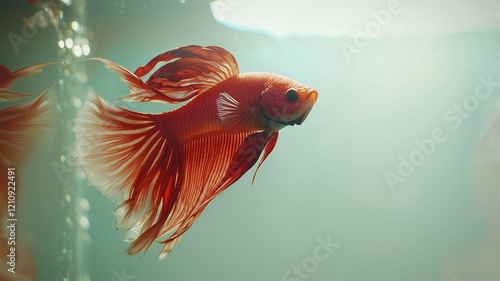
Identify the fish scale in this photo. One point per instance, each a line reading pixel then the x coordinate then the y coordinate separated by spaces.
pixel 187 127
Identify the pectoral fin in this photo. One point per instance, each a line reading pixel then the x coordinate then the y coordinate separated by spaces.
pixel 234 115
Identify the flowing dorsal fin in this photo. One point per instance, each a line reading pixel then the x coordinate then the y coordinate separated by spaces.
pixel 188 71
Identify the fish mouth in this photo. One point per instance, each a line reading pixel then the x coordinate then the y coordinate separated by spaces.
pixel 315 96
pixel 311 98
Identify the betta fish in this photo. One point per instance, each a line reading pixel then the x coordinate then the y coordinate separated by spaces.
pixel 163 169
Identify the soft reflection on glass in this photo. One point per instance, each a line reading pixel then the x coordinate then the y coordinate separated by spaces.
pixel 341 17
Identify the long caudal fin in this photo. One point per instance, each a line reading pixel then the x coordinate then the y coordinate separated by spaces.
pixel 129 158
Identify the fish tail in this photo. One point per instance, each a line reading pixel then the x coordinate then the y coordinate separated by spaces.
pixel 22 126
pixel 130 158
pixel 168 244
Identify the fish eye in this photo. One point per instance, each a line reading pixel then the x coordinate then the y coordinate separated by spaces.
pixel 291 95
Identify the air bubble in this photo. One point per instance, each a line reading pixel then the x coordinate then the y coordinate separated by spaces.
pixel 69 43
pixel 77 102
pixel 85 49
pixel 80 174
pixel 74 25
pixel 84 204
pixel 84 222
pixel 69 222
pixel 77 50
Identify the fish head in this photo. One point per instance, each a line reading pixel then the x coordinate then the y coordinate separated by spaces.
pixel 286 101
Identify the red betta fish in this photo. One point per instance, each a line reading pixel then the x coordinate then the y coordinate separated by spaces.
pixel 163 169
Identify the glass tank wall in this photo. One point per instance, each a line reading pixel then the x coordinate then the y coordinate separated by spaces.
pixel 393 176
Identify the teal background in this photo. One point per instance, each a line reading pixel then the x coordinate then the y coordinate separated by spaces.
pixel 325 178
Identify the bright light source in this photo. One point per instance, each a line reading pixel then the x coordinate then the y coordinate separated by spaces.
pixel 334 18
